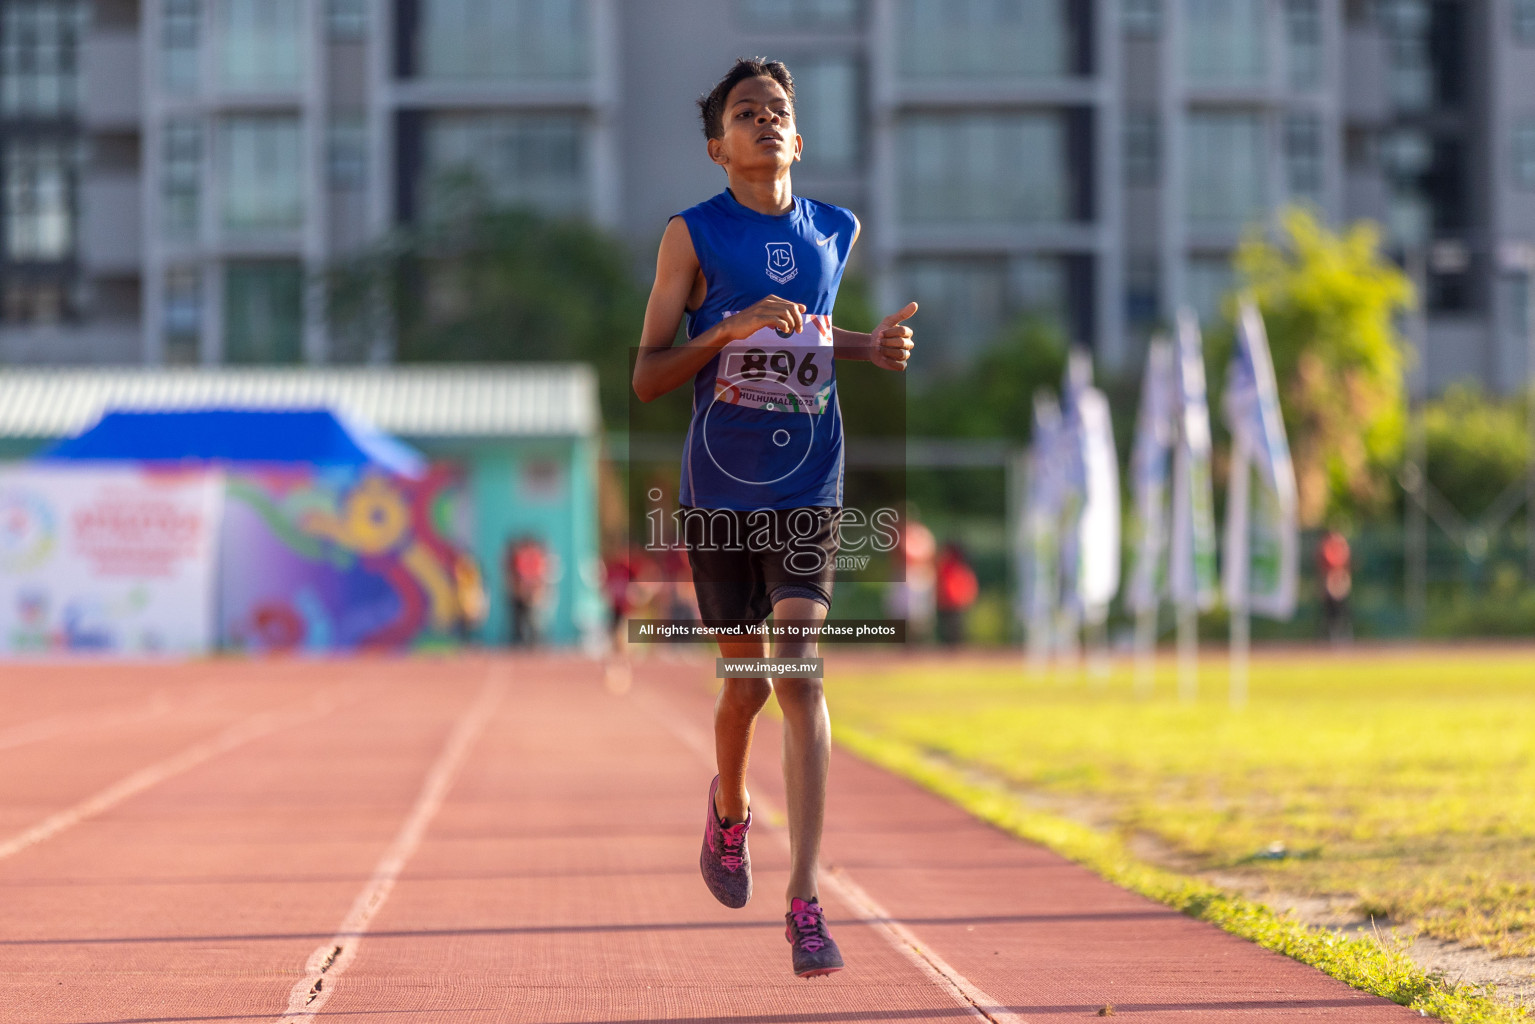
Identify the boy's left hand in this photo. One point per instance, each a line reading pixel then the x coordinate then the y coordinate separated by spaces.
pixel 892 340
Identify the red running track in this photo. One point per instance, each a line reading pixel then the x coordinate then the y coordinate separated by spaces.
pixel 491 839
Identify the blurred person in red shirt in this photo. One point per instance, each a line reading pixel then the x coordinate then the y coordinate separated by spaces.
pixel 528 572
pixel 1336 574
pixel 617 575
pixel 678 598
pixel 957 590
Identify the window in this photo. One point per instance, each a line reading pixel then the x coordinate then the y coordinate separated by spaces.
pixel 828 110
pixel 1409 216
pixel 38 65
pixel 30 300
pixel 536 160
pixel 346 20
pixel 1406 156
pixel 1143 147
pixel 1141 17
pixel 1209 279
pixel 1524 152
pixel 348 152
pixel 801 14
pixel 261 44
pixel 263 312
pixel 1361 148
pixel 1303 33
pixel 972 299
pixel 1406 153
pixel 1519 305
pixel 182 315
pixel 39 199
pixel 984 38
pixel 1225 42
pixel 984 168
pixel 503 39
pixel 181 181
pixel 1524 20
pixel 261 167
pixel 1411 72
pixel 1227 166
pixel 179 30
pixel 1142 291
pixel 1303 156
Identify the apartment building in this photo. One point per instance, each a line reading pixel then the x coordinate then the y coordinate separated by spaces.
pixel 1439 145
pixel 176 171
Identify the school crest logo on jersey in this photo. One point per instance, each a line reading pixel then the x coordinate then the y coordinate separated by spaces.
pixel 780 265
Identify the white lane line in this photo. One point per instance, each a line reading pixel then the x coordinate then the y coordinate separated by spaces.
pixel 326 964
pixel 959 988
pixel 252 728
pixel 59 725
pixel 898 935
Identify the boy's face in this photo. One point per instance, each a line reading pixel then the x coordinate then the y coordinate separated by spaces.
pixel 759 130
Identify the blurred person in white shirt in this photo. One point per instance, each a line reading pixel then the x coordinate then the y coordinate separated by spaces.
pixel 914 598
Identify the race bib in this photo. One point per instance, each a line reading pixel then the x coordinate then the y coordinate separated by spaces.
pixel 777 372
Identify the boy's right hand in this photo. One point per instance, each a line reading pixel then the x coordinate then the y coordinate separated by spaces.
pixel 779 314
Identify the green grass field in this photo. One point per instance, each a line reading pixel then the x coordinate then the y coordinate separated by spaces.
pixel 1402 779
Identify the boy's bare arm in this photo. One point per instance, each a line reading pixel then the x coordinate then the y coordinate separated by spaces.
pixel 661 365
pixel 888 346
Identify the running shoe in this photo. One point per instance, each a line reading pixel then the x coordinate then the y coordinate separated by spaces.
pixel 726 866
pixel 815 951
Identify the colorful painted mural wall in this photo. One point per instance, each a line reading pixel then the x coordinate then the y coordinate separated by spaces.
pixel 320 559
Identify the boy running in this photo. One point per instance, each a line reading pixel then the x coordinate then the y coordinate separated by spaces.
pixel 756 270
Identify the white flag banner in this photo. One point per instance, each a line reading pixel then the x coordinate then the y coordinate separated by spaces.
pixel 1191 570
pixel 1156 430
pixel 1042 517
pixel 1091 553
pixel 107 560
pixel 1262 540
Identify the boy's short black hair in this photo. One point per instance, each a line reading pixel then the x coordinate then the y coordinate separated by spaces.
pixel 711 107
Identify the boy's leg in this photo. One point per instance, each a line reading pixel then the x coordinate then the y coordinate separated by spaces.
pixel 724 860
pixel 735 717
pixel 806 751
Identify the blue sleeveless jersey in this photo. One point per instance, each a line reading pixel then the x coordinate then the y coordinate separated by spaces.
pixel 766 430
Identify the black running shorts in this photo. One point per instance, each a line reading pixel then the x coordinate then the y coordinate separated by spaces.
pixel 743 562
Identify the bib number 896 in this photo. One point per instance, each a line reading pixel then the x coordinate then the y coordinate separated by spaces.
pixel 757 364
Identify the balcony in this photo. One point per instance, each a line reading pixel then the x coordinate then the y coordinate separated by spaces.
pixel 1364 196
pixel 110 223
pixel 1365 77
pixel 115 342
pixel 110 86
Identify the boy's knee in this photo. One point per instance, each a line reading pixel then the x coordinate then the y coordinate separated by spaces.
pixel 750 694
pixel 802 649
pixel 799 693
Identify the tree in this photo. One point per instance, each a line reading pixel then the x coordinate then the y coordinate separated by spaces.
pixel 1330 303
pixel 993 396
pixel 1477 447
pixel 479 283
pixel 990 397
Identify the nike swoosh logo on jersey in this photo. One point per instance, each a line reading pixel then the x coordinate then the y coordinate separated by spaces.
pixel 829 239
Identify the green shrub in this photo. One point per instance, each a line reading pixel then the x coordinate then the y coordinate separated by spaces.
pixel 1477 447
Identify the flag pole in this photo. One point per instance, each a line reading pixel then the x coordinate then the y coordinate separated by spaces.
pixel 1145 651
pixel 1241 643
pixel 1238 509
pixel 1185 599
pixel 1156 432
pixel 1188 650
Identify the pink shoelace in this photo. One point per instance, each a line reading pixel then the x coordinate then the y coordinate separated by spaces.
pixel 806 918
pixel 733 837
